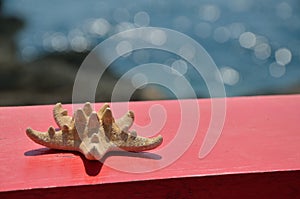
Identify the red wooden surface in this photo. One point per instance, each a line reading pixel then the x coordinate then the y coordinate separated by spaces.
pixel 261 136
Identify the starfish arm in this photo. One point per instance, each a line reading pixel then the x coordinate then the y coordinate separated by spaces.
pixel 53 139
pixel 93 126
pixel 102 110
pixel 61 116
pixel 138 143
pixel 87 109
pixel 126 121
pixel 80 122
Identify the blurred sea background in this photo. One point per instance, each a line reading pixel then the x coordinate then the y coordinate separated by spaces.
pixel 255 44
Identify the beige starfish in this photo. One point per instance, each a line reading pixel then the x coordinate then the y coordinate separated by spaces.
pixel 93 133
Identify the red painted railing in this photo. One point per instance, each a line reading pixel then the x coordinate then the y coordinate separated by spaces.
pixel 257 155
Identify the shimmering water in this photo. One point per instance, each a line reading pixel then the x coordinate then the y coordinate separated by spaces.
pixel 255 44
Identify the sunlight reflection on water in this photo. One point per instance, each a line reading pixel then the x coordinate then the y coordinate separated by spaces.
pixel 258 39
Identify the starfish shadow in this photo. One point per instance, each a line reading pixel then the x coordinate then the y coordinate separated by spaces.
pixel 92 167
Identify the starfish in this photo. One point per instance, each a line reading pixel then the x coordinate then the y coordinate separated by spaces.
pixel 92 133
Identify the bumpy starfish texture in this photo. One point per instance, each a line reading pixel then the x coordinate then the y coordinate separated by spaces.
pixel 92 133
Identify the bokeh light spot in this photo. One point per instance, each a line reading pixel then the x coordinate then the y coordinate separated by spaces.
pixel 141 19
pixel 283 56
pixel 180 66
pixel 276 70
pixel 247 39
pixel 158 37
pixel 229 75
pixel 139 80
pixel 79 43
pixel 236 29
pixel 59 42
pixel 262 51
pixel 29 53
pixel 284 10
pixel 221 34
pixel 209 12
pixel 123 48
pixel 99 27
